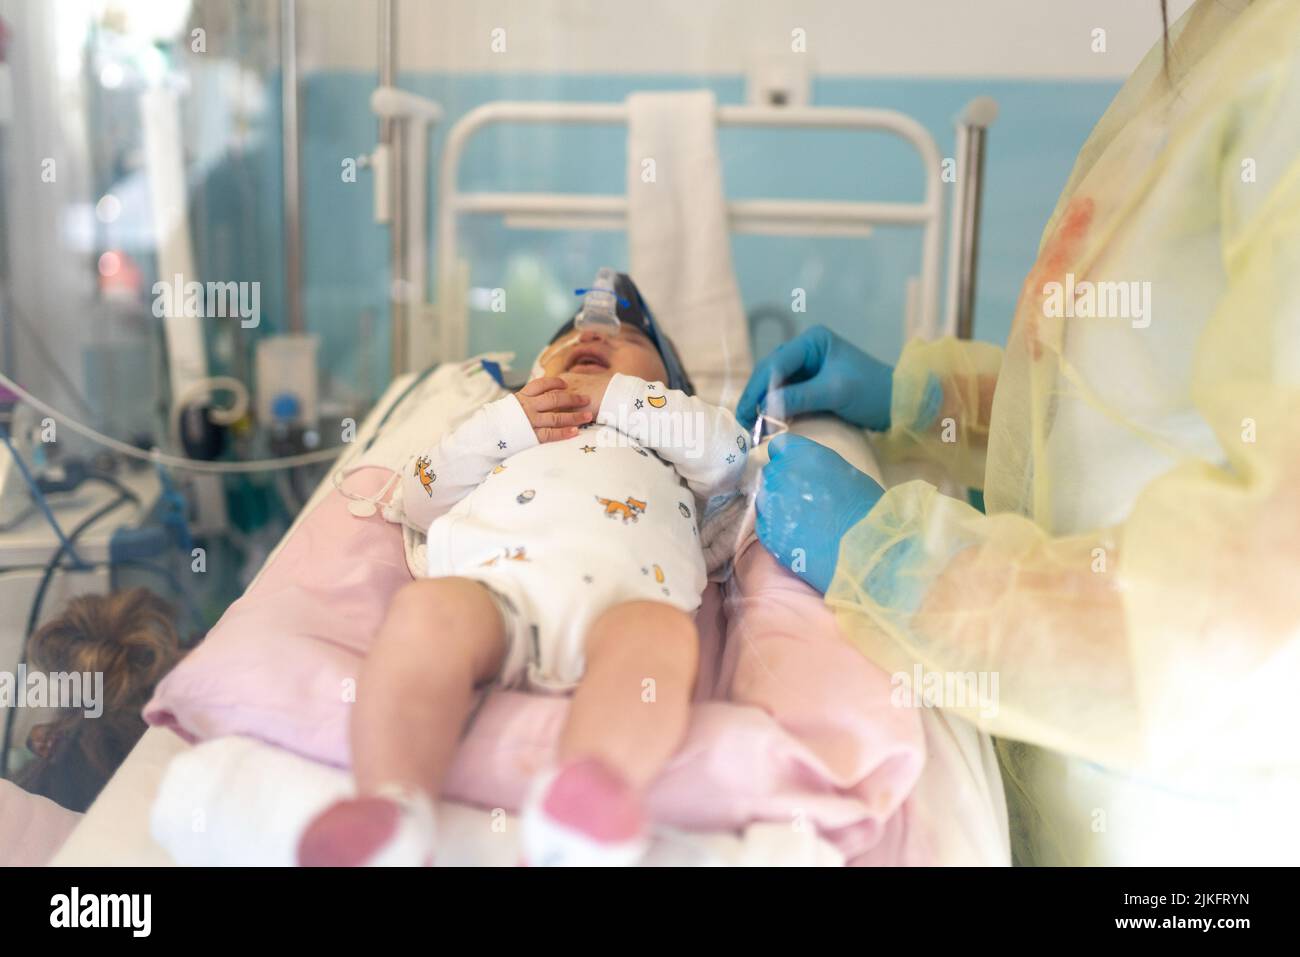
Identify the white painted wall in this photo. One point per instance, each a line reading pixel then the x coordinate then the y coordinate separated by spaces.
pixel 940 38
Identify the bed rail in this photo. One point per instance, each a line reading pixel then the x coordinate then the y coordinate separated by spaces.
pixel 446 337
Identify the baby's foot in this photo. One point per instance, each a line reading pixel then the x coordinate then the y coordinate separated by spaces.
pixel 583 815
pixel 393 828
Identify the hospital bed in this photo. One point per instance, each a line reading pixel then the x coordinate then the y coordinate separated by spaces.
pixel 959 793
pixel 958 797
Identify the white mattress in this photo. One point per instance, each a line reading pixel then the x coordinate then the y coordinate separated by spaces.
pixel 961 772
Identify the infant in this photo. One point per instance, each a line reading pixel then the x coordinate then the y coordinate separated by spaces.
pixel 564 555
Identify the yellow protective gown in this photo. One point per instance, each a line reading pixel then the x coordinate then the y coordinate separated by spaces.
pixel 1135 583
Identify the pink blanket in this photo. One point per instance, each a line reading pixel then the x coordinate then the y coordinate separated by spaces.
pixel 790 724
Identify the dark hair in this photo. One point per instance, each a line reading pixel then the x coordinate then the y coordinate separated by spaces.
pixel 128 636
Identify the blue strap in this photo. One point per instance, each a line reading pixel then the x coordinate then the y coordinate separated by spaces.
pixel 621 301
pixel 494 370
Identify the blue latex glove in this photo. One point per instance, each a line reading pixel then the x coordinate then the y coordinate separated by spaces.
pixel 893 582
pixel 817 371
pixel 808 498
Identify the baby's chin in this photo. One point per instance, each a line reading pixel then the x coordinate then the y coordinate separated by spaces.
pixel 632 369
pixel 588 374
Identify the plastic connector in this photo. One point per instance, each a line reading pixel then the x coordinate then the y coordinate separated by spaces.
pixel 600 304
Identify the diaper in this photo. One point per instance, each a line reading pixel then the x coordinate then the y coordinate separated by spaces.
pixel 547 617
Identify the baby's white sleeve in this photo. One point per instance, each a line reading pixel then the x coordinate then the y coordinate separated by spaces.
pixel 438 477
pixel 703 442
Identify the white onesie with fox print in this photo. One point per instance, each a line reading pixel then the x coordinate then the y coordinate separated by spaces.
pixel 561 532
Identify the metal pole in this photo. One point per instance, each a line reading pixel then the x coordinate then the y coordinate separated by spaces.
pixel 979 115
pixel 970 232
pixel 289 121
pixel 387 60
pixel 391 135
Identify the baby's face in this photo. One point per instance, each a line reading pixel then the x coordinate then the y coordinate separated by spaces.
pixel 592 353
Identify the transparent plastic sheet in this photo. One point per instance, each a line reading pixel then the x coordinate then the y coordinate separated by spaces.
pixel 1132 585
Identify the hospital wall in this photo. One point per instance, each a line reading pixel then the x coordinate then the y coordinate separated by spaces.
pixel 853 286
pixel 1051 89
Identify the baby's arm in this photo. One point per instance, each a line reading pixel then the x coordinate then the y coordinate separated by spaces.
pixel 544 410
pixel 703 442
pixel 441 475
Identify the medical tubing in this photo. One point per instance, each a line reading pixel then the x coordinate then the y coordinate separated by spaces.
pixel 204 388
pixel 39 498
pixel 171 461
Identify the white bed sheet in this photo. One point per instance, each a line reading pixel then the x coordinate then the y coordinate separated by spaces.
pixel 962 770
pixel 115 830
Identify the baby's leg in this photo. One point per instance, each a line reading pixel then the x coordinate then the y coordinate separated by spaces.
pixel 631 710
pixel 440 638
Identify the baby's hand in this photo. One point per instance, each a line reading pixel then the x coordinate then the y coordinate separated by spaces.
pixel 553 409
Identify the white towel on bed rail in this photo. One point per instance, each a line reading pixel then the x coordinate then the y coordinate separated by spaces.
pixel 679 238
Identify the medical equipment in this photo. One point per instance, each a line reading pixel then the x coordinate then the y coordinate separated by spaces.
pixel 39 497
pixel 286 380
pixel 194 419
pixel 15 497
pixel 767 427
pixel 599 304
pixel 364 506
pixel 623 294
pixel 160 458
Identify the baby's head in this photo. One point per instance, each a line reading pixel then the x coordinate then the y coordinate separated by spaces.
pixel 639 349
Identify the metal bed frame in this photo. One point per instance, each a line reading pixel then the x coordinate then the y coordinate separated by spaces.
pixel 439 332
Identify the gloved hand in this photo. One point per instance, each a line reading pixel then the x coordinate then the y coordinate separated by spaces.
pixel 817 371
pixel 808 498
